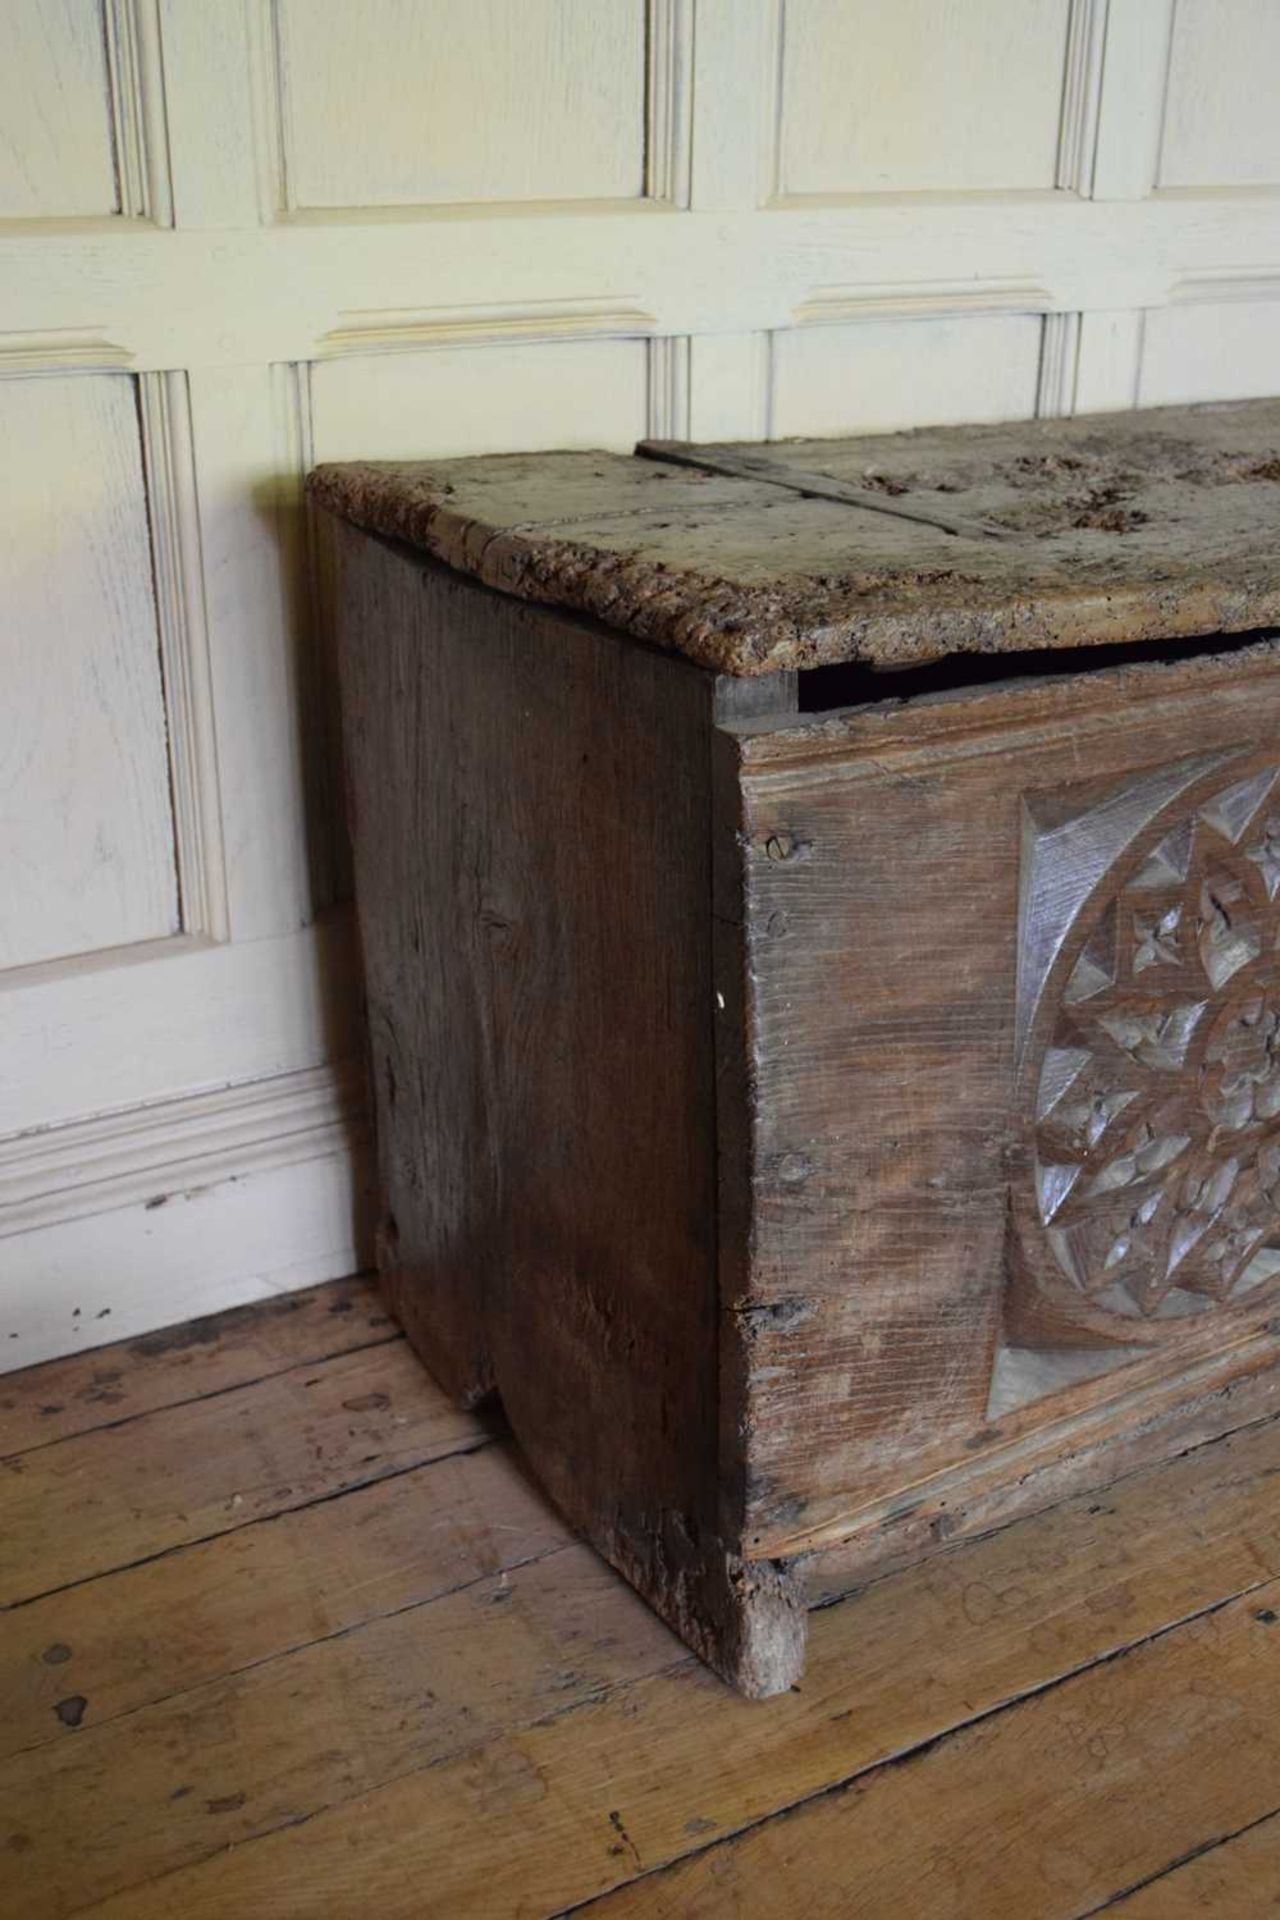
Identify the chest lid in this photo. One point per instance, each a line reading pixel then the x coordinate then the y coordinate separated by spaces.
pixel 891 550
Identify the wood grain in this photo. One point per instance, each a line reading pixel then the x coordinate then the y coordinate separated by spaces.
pixel 1235 1877
pixel 658 1768
pixel 530 805
pixel 180 1621
pixel 883 856
pixel 115 1383
pixel 101 1500
pixel 1112 531
pixel 827 1010
pixel 270 1747
pixel 1162 1750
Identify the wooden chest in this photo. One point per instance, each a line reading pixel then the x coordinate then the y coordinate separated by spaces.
pixel 820 908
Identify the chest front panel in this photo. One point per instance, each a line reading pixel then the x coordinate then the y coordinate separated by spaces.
pixel 1013 1019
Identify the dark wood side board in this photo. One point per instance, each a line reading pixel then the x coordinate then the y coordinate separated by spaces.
pixel 529 802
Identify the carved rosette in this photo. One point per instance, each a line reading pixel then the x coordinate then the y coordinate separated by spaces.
pixel 1149 1015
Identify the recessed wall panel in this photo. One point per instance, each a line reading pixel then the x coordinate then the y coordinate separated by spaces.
pixel 408 102
pixel 1211 350
pixel 483 399
pixel 1222 126
pixel 877 375
pixel 55 111
pixel 922 95
pixel 86 829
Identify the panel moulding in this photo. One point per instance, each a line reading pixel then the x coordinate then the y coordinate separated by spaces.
pixel 327 849
pixel 270 111
pixel 164 413
pixel 668 144
pixel 1081 96
pixel 1059 361
pixel 668 414
pixel 411 330
pixel 921 300
pixel 140 1155
pixel 139 117
pixel 167 455
pixel 773 45
pixel 1230 284
pixel 1077 125
pixel 61 350
pixel 1132 98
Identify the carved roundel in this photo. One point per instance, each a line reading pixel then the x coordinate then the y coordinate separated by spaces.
pixel 1149 1005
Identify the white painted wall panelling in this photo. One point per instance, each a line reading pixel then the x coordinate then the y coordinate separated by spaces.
pixel 56 144
pixel 923 95
pixel 82 134
pixel 159 1022
pixel 82 1280
pixel 1221 127
pixel 877 375
pixel 484 399
pixel 1224 349
pixel 403 102
pixel 86 826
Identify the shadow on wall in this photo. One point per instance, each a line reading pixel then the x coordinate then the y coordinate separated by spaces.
pixel 283 508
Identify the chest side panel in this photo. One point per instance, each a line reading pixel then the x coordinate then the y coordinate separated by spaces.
pixel 530 809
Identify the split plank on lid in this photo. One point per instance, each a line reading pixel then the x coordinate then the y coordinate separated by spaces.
pixel 676 1759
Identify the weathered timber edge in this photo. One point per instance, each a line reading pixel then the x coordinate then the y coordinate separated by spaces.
pixel 1069 571
pixel 743 629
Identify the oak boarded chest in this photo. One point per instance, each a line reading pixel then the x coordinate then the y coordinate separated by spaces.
pixel 819 906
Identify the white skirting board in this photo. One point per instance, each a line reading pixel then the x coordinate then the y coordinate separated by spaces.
pixel 114 1226
pixel 111 1276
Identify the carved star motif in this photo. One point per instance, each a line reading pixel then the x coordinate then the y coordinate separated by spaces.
pixel 1158 1116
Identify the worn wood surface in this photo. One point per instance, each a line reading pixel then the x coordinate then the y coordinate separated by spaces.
pixel 530 807
pixel 1235 1877
pixel 189 1361
pixel 237 1457
pixel 924 886
pixel 423 1697
pixel 1048 533
pixel 831 1134
pixel 186 1618
pixel 921 1837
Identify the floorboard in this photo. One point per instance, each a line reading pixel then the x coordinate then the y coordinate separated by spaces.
pixel 288 1635
pixel 1234 1877
pixel 109 1384
pixel 103 1500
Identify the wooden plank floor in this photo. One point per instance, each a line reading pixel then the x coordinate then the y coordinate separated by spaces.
pixel 286 1635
